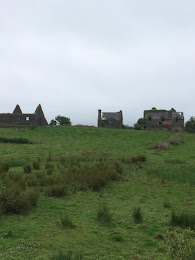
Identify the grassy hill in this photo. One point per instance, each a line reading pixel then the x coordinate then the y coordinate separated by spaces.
pixel 83 175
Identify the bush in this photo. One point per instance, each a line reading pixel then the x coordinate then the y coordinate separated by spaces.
pixel 137 215
pixel 14 201
pixel 166 205
pixel 176 139
pixel 66 222
pixel 181 246
pixel 27 168
pixel 104 215
pixel 56 191
pixel 33 196
pixel 4 166
pixel 137 127
pixel 36 165
pixel 161 146
pixel 183 219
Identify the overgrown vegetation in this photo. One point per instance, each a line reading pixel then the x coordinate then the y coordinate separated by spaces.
pixel 82 168
pixel 190 125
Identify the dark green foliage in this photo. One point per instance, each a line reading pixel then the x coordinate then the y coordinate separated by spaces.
pixel 183 219
pixel 36 165
pixel 143 121
pixel 137 215
pixel 15 140
pixel 117 238
pixel 66 222
pixel 137 126
pixel 14 201
pixel 27 168
pixel 56 190
pixel 104 214
pixel 8 234
pixel 190 125
pixel 70 255
pixel 62 120
pixel 4 166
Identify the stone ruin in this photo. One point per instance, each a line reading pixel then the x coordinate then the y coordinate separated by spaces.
pixel 17 118
pixel 110 119
pixel 169 120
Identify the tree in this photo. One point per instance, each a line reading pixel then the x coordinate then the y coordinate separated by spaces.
pixel 62 120
pixel 190 125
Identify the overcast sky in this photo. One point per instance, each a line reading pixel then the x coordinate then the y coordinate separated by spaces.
pixel 76 56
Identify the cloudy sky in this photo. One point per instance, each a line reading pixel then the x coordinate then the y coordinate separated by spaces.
pixel 76 56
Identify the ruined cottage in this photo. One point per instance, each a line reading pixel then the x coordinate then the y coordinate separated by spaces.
pixel 19 118
pixel 110 119
pixel 162 120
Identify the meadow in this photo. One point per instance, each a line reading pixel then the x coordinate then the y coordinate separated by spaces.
pixel 89 193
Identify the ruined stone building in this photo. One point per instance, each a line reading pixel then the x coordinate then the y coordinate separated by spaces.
pixel 19 118
pixel 162 119
pixel 110 119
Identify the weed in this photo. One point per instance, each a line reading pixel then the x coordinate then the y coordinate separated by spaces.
pixel 66 222
pixel 27 168
pixel 137 215
pixel 183 219
pixel 36 165
pixel 4 166
pixel 117 238
pixel 104 215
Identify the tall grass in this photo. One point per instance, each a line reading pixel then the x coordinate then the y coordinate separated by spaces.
pixel 182 174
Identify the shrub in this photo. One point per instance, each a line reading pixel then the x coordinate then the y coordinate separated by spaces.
pixel 4 166
pixel 14 201
pixel 56 191
pixel 176 139
pixel 104 215
pixel 183 219
pixel 161 146
pixel 36 165
pixel 181 246
pixel 27 168
pixel 137 215
pixel 66 222
pixel 33 196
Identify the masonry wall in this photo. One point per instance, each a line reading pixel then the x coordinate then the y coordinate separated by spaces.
pixel 28 119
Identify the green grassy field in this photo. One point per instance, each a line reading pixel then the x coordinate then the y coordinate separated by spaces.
pixel 166 178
